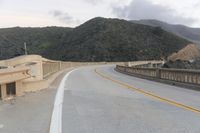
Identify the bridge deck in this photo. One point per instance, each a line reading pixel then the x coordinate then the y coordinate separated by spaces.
pixel 94 104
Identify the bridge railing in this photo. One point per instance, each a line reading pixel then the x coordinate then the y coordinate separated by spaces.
pixel 185 76
pixel 50 67
pixel 177 75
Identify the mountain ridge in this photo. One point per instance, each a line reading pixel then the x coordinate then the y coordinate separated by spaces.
pixel 98 39
pixel 189 33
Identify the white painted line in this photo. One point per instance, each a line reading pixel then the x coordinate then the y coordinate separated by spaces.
pixel 1 126
pixel 56 119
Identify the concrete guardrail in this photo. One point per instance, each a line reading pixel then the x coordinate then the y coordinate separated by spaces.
pixel 177 75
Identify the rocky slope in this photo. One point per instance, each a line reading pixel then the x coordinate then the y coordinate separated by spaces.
pixel 186 58
pixel 190 52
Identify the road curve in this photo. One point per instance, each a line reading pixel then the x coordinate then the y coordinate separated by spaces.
pixel 95 104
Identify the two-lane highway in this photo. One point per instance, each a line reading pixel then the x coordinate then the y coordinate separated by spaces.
pixel 94 103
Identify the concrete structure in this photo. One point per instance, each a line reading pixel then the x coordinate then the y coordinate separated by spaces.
pixel 184 77
pixel 11 76
pixel 15 72
pixel 25 73
pixel 31 73
pixel 150 63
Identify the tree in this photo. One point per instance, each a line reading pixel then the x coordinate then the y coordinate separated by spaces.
pixel 158 31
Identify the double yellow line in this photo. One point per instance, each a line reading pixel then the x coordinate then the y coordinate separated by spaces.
pixel 180 105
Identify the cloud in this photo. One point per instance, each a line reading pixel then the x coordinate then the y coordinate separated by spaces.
pixel 94 2
pixel 197 5
pixel 144 9
pixel 62 16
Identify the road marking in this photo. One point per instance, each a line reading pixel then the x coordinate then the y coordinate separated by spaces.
pixel 56 119
pixel 1 126
pixel 180 105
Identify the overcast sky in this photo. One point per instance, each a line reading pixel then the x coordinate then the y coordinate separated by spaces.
pixel 39 13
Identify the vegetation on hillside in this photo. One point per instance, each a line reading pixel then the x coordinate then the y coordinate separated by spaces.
pixel 37 39
pixel 191 34
pixel 99 39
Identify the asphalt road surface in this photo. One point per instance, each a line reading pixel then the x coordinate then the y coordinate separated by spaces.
pixel 94 103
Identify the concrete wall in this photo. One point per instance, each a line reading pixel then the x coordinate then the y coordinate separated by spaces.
pixel 33 72
pixel 50 67
pixel 26 72
pixel 13 75
pixel 149 63
pixel 177 75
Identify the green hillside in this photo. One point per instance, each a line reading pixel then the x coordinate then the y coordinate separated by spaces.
pixel 98 39
pixel 37 39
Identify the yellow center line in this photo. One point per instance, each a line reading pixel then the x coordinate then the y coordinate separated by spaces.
pixel 180 105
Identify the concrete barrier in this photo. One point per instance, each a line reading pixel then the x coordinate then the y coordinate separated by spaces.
pixel 148 63
pixel 187 77
pixel 32 73
pixel 50 67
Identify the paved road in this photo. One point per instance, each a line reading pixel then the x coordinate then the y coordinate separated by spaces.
pixel 93 104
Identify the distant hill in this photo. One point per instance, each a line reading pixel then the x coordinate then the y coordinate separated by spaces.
pixel 98 39
pixel 37 39
pixel 192 34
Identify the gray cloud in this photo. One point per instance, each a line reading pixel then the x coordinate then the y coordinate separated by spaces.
pixel 144 9
pixel 62 16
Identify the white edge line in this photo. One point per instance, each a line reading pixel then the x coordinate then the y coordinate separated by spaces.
pixel 56 118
